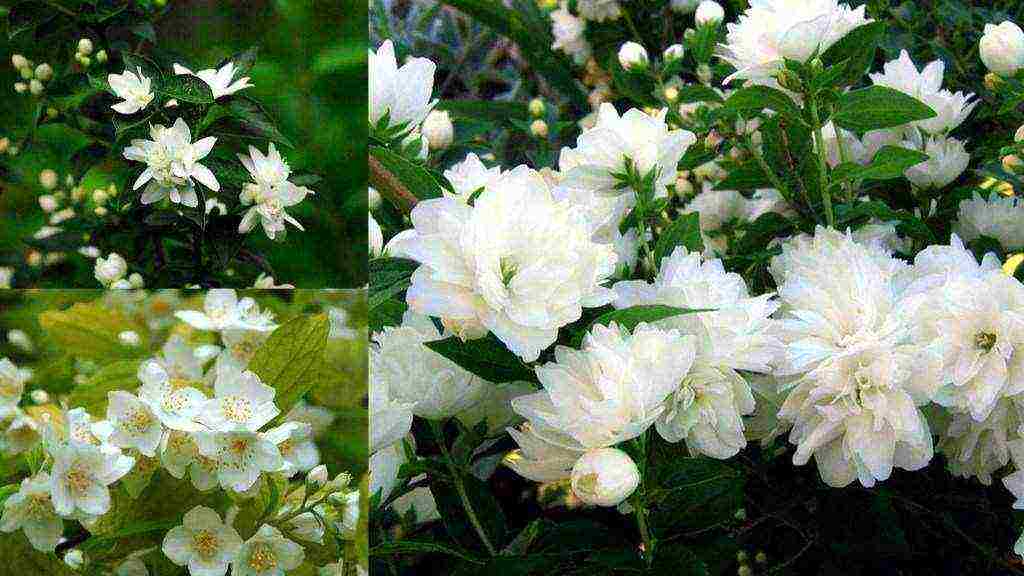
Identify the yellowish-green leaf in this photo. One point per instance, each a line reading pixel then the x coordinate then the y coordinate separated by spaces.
pixel 91 331
pixel 292 358
pixel 92 395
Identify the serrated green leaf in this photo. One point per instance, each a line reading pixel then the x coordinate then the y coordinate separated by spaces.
pixel 90 330
pixel 756 98
pixel 289 359
pixel 630 317
pixel 388 277
pixel 857 49
pixel 184 88
pixel 486 357
pixel 684 231
pixel 92 394
pixel 416 179
pixel 889 162
pixel 878 107
pixel 748 176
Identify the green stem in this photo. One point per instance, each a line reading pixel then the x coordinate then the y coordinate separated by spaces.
pixel 460 487
pixel 638 503
pixel 819 142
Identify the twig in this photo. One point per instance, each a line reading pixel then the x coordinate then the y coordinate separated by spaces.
pixel 390 187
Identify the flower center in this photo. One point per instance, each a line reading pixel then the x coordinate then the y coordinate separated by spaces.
pixel 237 409
pixel 239 446
pixel 263 558
pixel 205 543
pixel 285 447
pixel 77 480
pixel 984 341
pixel 137 421
pixel 9 388
pixel 508 271
pixel 38 506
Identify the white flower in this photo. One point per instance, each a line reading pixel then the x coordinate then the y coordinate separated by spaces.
pixel 110 270
pixel 129 338
pixel 605 477
pixel 709 12
pixel 134 89
pixel 390 419
pixel 603 151
pixel 171 401
pixel 673 53
pixel 706 408
pixel 1002 48
pixel 539 459
pixel 568 31
pixel 470 176
pixel 221 82
pixel 979 449
pixel 222 310
pixel 947 160
pixel 266 282
pixel 317 477
pixel 31 510
pixel 172 162
pixel 203 543
pixel 611 390
pixel 717 208
pixel 80 476
pixel 294 441
pixel 12 384
pixel 375 236
pixel 998 217
pixel 401 95
pixel 599 10
pixel 518 262
pixel 771 31
pixel 135 424
pixel 267 553
pixel 438 129
pixel 242 403
pixel 435 386
pixel 240 457
pixel 74 559
pixel 926 85
pixel 633 56
pixel 180 361
pixel 271 192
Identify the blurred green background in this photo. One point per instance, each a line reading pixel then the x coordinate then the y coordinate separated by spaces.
pixel 311 76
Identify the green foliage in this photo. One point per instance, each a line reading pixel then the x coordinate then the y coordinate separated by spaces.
pixel 288 361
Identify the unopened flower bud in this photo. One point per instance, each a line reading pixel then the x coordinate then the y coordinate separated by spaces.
pixel 136 280
pixel 51 112
pixel 744 571
pixel 760 557
pixel 704 74
pixel 1019 135
pixel 26 73
pixel 673 53
pixel 48 179
pixel 684 6
pixel 1011 162
pixel 100 211
pixel 85 61
pixel 992 81
pixel 689 34
pixel 101 56
pixel 19 61
pixel 633 56
pixel 19 339
pixel 1002 48
pixel 438 129
pixel 35 87
pixel 317 477
pixel 605 477
pixel 20 87
pixel 537 107
pixel 129 338
pixel 100 197
pixel 74 559
pixel 539 128
pixel 85 46
pixel 671 93
pixel 709 13
pixel 39 396
pixel 48 203
pixel 44 72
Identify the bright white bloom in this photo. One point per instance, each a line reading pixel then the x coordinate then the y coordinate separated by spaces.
pixel 110 271
pixel 707 407
pixel 12 384
pixel 605 214
pixel 438 129
pixel 203 543
pixel 294 441
pixel 568 31
pixel 538 458
pixel 605 477
pixel 175 404
pixel 384 467
pixel 603 151
pixel 709 12
pixel 390 419
pixel 633 56
pixel 999 217
pixel 947 160
pixel 611 390
pixel 240 457
pixel 717 208
pixel 1002 48
pixel 271 192
pixel 134 89
pixel 31 509
pixel 172 163
pixel 435 386
pixel 221 82
pixel 135 424
pixel 375 236
pixel 399 94
pixel 80 476
pixel 518 262
pixel 471 176
pixel 180 361
pixel 268 553
pixel 599 10
pixel 242 403
pixel 223 310
pixel 979 449
pixel 770 31
pixel 926 85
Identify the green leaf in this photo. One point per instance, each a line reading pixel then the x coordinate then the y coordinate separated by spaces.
pixel 630 317
pixel 684 231
pixel 485 109
pixel 90 330
pixel 889 162
pixel 289 360
pixel 486 357
pixel 857 48
pixel 135 62
pixel 693 493
pixel 92 394
pixel 400 547
pixel 756 98
pixel 184 88
pixel 878 107
pixel 244 61
pixel 388 312
pixel 485 506
pixel 244 118
pixel 132 529
pixel 420 182
pixel 388 277
pixel 698 93
pixel 748 176
pixel 28 16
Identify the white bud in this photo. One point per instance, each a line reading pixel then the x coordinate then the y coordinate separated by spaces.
pixel 537 107
pixel 633 56
pixel 19 339
pixel 85 46
pixel 100 211
pixel 438 129
pixel 100 196
pixel 129 338
pixel 671 93
pixel 48 203
pixel 39 396
pixel 19 61
pixel 172 103
pixel 35 87
pixel 673 53
pixel 85 61
pixel 605 477
pixel 1002 48
pixel 20 87
pixel 110 269
pixel 684 6
pixel 44 72
pixel 373 198
pixel 48 179
pixel 317 477
pixel 101 56
pixel 1019 135
pixel 74 558
pixel 709 12
pixel 135 279
pixel 539 128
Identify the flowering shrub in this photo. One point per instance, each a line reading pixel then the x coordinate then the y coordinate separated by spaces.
pixel 170 433
pixel 696 287
pixel 167 168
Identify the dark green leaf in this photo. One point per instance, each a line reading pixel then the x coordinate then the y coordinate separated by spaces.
pixel 184 88
pixel 698 93
pixel 486 357
pixel 486 508
pixel 756 98
pixel 684 231
pixel 630 317
pixel 749 176
pixel 889 162
pixel 417 179
pixel 878 107
pixel 857 49
pixel 28 16
pixel 388 277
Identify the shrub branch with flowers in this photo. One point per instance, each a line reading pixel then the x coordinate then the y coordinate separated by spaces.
pixel 189 165
pixel 144 436
pixel 729 298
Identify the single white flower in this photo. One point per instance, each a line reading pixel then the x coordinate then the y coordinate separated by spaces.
pixel 518 263
pixel 947 160
pixel 1002 48
pixel 267 553
pixel 80 476
pixel 399 96
pixel 375 236
pixel 470 176
pixel 135 424
pixel 175 404
pixel 294 441
pixel 172 163
pixel 221 81
pixel 240 457
pixel 413 374
pixel 242 403
pixel 223 310
pixel 771 31
pixel 998 217
pixel 438 129
pixel 635 137
pixel 599 10
pixel 605 477
pixel 203 543
pixel 569 32
pixel 180 361
pixel 133 88
pixel 110 270
pixel 270 192
pixel 129 338
pixel 709 12
pixel 633 56
pixel 31 509
pixel 951 109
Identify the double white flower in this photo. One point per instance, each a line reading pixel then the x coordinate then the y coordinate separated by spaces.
pixel 133 88
pixel 172 163
pixel 951 108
